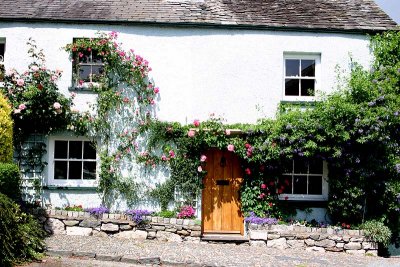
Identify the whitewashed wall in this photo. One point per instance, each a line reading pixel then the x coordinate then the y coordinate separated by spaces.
pixel 199 70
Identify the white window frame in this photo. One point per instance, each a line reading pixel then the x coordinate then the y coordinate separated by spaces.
pixel 306 197
pixel 68 183
pixel 302 56
pixel 2 58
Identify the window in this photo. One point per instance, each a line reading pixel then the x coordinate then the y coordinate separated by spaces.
pixel 304 180
pixel 73 162
pixel 300 76
pixel 2 68
pixel 88 67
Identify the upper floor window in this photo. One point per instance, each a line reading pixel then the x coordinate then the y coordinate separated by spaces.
pixel 88 67
pixel 2 53
pixel 72 162
pixel 304 180
pixel 300 76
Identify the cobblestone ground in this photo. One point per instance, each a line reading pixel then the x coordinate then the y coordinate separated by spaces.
pixel 195 254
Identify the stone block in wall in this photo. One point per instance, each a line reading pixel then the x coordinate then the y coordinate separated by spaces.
pixel 75 214
pixel 160 219
pixel 166 220
pixel 325 243
pixel 340 245
pixel 76 230
pixel 302 236
pixel 81 213
pixel 257 243
pixel 151 235
pixel 71 222
pixel 352 246
pixel 334 249
pixel 138 235
pixel 296 244
pixel 117 216
pixel 273 236
pixel 183 232
pixel 54 226
pixel 373 252
pixel 179 221
pixel 335 238
pixel 89 223
pixel 258 235
pixel 288 235
pixel 191 223
pixel 154 219
pixel 192 239
pixel 314 236
pixel 109 227
pixel 171 230
pixel 279 243
pixel 42 219
pixel 357 239
pixel 253 226
pixel 178 227
pixel 104 216
pixel 186 221
pixel 356 252
pixel 195 233
pixel 172 220
pixel 300 228
pixel 158 227
pixel 125 227
pixel 69 213
pixel 354 232
pixel 346 238
pixel 58 212
pixel 330 231
pixel 369 245
pixel 64 212
pixel 166 236
pixel 195 227
pixel 99 233
pixel 309 242
pixel 317 249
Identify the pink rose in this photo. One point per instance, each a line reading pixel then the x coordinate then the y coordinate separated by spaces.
pixel 156 90
pixel 163 158
pixel 227 132
pixel 22 106
pixel 34 68
pixel 199 169
pixel 57 105
pixel 172 154
pixel 231 147
pixel 17 111
pixel 263 186
pixel 20 82
pixel 196 123
pixel 54 77
pixel 191 133
pixel 247 170
pixel 203 158
pixel 73 94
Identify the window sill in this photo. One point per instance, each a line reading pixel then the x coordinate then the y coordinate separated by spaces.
pixel 303 197
pixel 60 187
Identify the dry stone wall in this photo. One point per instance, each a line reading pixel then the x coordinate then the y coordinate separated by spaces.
pixel 179 230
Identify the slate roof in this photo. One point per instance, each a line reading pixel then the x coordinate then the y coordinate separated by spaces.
pixel 342 15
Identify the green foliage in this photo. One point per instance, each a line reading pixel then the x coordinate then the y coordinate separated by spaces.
pixel 10 181
pixel 166 214
pixel 6 128
pixel 21 236
pixel 377 231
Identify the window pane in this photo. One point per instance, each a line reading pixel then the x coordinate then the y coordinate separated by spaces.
pixel 2 50
pixel 85 72
pixel 292 87
pixel 89 170
pixel 315 185
pixel 288 166
pixel 60 169
pixel 85 57
pixel 60 149
pixel 300 166
pixel 308 68
pixel 307 87
pixel 96 58
pixel 300 184
pixel 292 67
pixel 316 166
pixel 89 151
pixel 75 170
pixel 286 181
pixel 97 73
pixel 75 149
pixel 2 71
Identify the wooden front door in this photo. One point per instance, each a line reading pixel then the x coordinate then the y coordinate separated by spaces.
pixel 220 198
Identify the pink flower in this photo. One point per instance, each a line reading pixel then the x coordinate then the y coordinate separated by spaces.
pixel 17 111
pixel 203 158
pixel 156 90
pixel 196 123
pixel 20 82
pixel 227 132
pixel 191 133
pixel 34 68
pixel 286 197
pixel 57 105
pixel 172 154
pixel 73 94
pixel 199 169
pixel 263 186
pixel 231 147
pixel 163 158
pixel 247 170
pixel 262 195
pixel 22 106
pixel 54 77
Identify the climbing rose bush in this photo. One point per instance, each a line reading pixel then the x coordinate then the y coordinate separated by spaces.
pixel 186 212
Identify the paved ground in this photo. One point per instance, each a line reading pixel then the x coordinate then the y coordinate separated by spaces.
pixel 192 254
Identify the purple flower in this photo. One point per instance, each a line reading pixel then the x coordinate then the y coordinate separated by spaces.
pixel 98 211
pixel 260 220
pixel 137 215
pixel 398 169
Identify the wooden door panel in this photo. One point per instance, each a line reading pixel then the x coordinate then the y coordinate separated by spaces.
pixel 220 199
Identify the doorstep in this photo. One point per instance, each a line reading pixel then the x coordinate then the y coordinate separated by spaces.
pixel 236 238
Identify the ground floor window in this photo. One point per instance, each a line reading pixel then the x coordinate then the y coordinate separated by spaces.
pixel 72 162
pixel 304 179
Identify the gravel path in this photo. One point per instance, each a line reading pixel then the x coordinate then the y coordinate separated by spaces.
pixel 184 254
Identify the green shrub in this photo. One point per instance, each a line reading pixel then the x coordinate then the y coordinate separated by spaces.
pixel 21 236
pixel 10 180
pixel 166 214
pixel 377 232
pixel 6 131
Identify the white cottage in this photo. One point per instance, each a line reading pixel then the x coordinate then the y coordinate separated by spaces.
pixel 237 59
